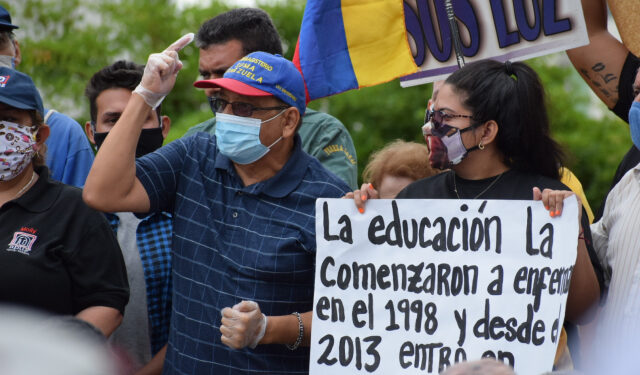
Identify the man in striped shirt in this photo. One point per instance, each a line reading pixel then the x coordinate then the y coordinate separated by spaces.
pixel 243 203
pixel 612 72
pixel 616 239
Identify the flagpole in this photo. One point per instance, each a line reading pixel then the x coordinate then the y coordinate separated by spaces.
pixel 455 34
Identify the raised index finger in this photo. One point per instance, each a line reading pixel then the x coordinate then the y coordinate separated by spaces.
pixel 181 43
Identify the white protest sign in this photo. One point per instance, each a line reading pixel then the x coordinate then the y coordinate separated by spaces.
pixel 498 29
pixel 412 286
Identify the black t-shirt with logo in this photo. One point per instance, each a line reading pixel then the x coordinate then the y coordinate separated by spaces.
pixel 57 254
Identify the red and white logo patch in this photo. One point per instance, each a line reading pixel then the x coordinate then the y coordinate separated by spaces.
pixel 22 242
pixel 4 80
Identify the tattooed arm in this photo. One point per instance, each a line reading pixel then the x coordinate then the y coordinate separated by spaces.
pixel 600 62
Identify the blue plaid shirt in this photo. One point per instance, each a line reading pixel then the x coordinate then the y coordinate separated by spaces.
pixel 153 237
pixel 234 242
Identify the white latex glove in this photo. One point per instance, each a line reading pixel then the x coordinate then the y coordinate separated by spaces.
pixel 243 325
pixel 161 71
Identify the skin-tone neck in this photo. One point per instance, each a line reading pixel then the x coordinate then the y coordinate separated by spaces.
pixel 481 164
pixel 12 48
pixel 9 189
pixel 267 166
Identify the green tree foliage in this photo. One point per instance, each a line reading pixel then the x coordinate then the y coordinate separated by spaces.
pixel 594 139
pixel 65 42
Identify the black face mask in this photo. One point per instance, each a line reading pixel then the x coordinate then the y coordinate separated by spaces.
pixel 149 141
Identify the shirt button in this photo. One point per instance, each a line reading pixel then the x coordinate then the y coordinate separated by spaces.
pixel 235 215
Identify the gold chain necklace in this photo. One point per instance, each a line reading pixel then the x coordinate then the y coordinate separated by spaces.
pixel 33 176
pixel 455 188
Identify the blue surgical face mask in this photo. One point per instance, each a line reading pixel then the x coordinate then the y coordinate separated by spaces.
pixel 238 138
pixel 634 123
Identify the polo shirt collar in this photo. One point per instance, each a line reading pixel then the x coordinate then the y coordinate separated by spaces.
pixel 282 183
pixel 42 195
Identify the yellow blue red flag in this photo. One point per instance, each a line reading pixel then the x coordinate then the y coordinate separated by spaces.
pixel 348 44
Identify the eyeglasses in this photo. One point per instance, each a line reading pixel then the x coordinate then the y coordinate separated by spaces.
pixel 439 128
pixel 239 108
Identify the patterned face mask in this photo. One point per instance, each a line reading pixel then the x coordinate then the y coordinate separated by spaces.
pixel 444 141
pixel 16 149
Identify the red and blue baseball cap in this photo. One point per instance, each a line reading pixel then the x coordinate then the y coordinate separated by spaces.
pixel 263 74
pixel 18 90
pixel 5 20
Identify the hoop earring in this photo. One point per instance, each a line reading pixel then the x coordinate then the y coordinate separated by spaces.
pixel 480 145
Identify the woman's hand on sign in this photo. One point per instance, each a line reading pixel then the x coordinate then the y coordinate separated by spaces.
pixel 360 196
pixel 161 71
pixel 553 200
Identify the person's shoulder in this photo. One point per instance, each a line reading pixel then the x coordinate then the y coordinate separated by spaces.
pixel 208 126
pixel 319 118
pixel 551 183
pixel 529 181
pixel 196 148
pixel 68 199
pixel 321 177
pixel 438 178
pixel 322 133
pixel 61 120
pixel 630 180
pixel 424 188
pixel 195 142
pixel 67 194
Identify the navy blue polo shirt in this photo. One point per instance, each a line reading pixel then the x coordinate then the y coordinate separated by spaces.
pixel 231 243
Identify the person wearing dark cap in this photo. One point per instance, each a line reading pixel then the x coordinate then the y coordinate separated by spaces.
pixel 243 202
pixel 10 55
pixel 59 255
pixel 70 154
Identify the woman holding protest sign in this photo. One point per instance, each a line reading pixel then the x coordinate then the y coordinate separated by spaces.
pixel 489 125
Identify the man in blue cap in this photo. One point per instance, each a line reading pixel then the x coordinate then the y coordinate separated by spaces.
pixel 243 202
pixel 69 152
pixel 225 39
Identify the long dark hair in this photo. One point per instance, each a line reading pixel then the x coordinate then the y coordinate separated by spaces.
pixel 512 95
